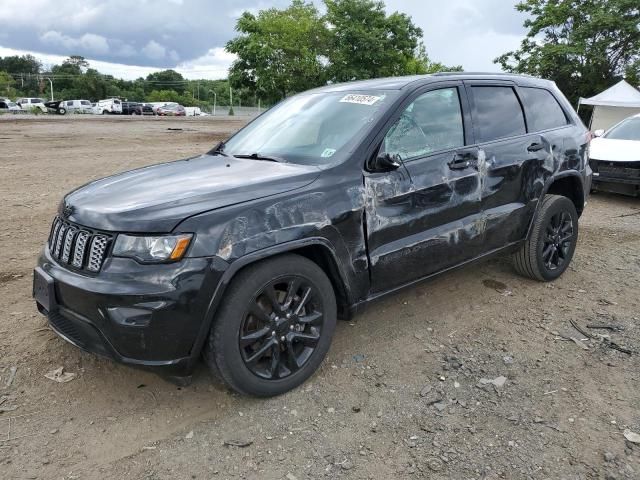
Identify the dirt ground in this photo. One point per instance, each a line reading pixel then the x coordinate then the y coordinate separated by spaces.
pixel 404 392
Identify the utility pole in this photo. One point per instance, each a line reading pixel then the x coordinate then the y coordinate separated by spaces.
pixel 50 83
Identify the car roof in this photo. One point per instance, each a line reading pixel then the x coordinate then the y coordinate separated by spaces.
pixel 401 83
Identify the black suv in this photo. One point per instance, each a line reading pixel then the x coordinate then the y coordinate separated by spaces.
pixel 331 199
pixel 136 108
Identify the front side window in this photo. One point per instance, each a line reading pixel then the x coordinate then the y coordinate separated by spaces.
pixel 317 128
pixel 432 123
pixel 498 113
pixel 628 129
pixel 543 110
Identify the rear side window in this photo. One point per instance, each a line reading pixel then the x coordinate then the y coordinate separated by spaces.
pixel 498 113
pixel 543 110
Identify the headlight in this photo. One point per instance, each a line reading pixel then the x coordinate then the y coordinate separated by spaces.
pixel 159 248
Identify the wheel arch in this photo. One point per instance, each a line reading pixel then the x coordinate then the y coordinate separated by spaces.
pixel 567 184
pixel 317 249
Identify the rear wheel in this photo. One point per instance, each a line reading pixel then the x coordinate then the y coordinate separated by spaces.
pixel 548 251
pixel 274 327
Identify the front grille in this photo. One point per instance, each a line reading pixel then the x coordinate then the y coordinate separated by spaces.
pixel 76 246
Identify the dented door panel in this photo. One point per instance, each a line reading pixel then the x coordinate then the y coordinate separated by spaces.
pixel 421 219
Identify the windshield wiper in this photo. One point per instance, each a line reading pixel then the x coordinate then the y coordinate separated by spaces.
pixel 257 156
pixel 218 150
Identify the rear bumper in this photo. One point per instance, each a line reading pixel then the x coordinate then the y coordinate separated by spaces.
pixel 151 316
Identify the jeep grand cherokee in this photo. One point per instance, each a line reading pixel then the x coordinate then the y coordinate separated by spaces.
pixel 333 198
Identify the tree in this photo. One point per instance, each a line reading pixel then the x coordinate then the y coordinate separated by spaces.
pixel 279 51
pixel 7 85
pixel 366 43
pixel 167 80
pixel 583 45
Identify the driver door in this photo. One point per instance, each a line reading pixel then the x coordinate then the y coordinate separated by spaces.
pixel 424 216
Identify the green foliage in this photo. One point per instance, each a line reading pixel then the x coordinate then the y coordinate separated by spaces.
pixel 278 50
pixel 366 43
pixel 167 79
pixel 281 52
pixel 585 46
pixel 7 84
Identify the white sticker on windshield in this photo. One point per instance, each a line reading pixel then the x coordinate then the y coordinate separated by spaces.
pixel 360 99
pixel 328 152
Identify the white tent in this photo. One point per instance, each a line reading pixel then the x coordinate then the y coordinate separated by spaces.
pixel 613 105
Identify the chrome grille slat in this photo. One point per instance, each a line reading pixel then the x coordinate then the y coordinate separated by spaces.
pixel 77 247
pixel 61 232
pixel 68 240
pixel 78 252
pixel 96 254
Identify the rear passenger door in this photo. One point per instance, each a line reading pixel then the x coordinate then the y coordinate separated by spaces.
pixel 510 161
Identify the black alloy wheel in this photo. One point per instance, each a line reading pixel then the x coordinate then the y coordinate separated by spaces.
pixel 551 243
pixel 274 326
pixel 281 328
pixel 557 240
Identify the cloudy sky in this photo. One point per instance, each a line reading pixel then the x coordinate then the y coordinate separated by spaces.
pixel 131 38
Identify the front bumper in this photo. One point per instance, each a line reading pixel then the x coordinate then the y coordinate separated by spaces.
pixel 141 315
pixel 617 177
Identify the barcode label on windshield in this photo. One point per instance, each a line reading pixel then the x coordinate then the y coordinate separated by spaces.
pixel 360 99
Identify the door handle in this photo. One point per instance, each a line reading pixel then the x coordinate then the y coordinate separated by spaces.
pixel 461 161
pixel 535 147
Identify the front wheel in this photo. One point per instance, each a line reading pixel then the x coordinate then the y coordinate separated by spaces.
pixel 548 251
pixel 274 327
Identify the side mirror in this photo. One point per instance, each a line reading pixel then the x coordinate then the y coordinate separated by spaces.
pixel 598 133
pixel 386 162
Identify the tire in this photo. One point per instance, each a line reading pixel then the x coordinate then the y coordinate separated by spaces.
pixel 104 112
pixel 293 345
pixel 62 111
pixel 548 251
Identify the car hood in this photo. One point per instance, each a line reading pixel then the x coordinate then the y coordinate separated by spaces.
pixel 612 150
pixel 158 197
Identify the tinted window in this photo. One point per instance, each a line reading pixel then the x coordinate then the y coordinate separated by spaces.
pixel 497 114
pixel 70 103
pixel 433 122
pixel 543 110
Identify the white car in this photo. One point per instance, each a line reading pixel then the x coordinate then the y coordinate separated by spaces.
pixel 77 106
pixel 614 157
pixel 110 105
pixel 30 103
pixel 7 105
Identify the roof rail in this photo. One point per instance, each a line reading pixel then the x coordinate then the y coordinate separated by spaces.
pixel 441 74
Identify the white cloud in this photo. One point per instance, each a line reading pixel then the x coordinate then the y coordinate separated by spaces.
pixel 87 43
pixel 154 50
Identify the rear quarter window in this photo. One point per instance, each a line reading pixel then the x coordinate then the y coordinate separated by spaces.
pixel 542 109
pixel 497 113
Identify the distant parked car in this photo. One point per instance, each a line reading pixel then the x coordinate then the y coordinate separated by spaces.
pixel 614 157
pixel 172 110
pixel 131 108
pixel 76 106
pixel 147 109
pixel 29 103
pixel 8 105
pixel 110 105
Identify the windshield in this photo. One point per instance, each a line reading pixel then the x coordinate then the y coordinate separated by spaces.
pixel 312 128
pixel 628 129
